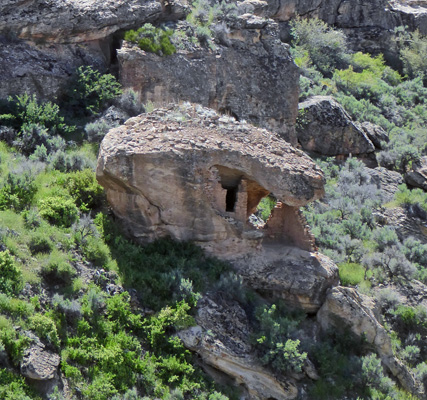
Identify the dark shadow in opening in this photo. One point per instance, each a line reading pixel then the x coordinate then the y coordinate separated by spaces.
pixel 230 199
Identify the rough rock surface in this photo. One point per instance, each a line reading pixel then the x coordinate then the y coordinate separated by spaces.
pixel 405 223
pixel 42 42
pixel 221 338
pixel 252 77
pixel 73 21
pixel 325 128
pixel 192 174
pixel 386 181
pixel 347 307
pixel 376 134
pixel 369 25
pixel 300 277
pixel 43 70
pixel 417 177
pixel 38 363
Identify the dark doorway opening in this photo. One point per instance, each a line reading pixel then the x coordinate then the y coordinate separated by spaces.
pixel 230 199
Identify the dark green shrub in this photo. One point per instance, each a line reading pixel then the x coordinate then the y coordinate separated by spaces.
pixel 45 329
pixel 10 274
pixel 274 345
pixel 39 243
pixel 96 251
pixel 26 110
pixel 91 91
pixel 58 272
pixel 18 191
pixel 326 47
pixel 14 342
pixel 65 162
pixel 58 210
pixel 84 189
pixel 14 387
pixel 152 39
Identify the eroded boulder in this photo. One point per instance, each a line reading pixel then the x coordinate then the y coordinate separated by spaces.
pixel 39 363
pixel 345 307
pixel 325 128
pixel 417 177
pixel 221 338
pixel 188 173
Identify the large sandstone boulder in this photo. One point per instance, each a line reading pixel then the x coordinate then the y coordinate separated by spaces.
pixel 190 174
pixel 345 307
pixel 221 338
pixel 250 76
pixel 417 177
pixel 325 128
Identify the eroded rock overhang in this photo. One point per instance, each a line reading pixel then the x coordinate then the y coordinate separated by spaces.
pixel 194 175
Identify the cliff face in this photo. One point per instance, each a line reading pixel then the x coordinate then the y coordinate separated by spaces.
pixel 369 26
pixel 252 77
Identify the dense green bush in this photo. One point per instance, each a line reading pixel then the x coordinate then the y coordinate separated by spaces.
pixel 17 191
pixel 319 44
pixel 26 110
pixel 90 91
pixel 275 347
pixel 10 274
pixel 58 210
pixel 45 329
pixel 14 387
pixel 39 243
pixel 83 188
pixel 152 39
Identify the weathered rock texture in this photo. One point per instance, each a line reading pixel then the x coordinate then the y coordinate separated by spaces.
pixel 42 42
pixel 417 177
pixel 325 128
pixel 39 363
pixel 252 77
pixel 73 21
pixel 345 307
pixel 221 338
pixel 369 25
pixel 193 175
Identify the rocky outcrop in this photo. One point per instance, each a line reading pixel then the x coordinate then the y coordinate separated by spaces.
pixel 386 181
pixel 325 128
pixel 406 222
pixel 188 173
pixel 376 134
pixel 345 307
pixel 39 363
pixel 251 77
pixel 221 338
pixel 44 70
pixel 73 21
pixel 417 177
pixel 369 26
pixel 43 42
pixel 300 277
